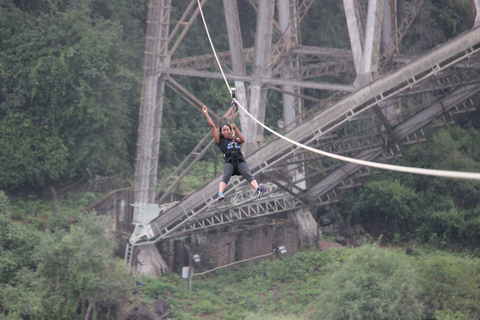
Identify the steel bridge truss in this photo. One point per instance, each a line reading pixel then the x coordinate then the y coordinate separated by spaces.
pixel 450 92
pixel 242 205
pixel 376 122
pixel 285 195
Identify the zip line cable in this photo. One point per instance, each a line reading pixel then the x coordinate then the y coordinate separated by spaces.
pixel 421 171
pixel 231 264
pixel 428 172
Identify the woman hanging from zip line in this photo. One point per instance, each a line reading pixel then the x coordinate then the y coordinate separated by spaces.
pixel 235 163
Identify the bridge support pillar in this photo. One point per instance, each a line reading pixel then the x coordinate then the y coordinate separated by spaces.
pixel 308 226
pixel 477 14
pixel 148 261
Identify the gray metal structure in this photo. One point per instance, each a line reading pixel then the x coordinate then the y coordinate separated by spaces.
pixel 375 118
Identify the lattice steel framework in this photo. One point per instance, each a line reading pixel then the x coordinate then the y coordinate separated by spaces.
pixel 425 93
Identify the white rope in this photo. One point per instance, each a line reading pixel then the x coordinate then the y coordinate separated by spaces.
pixel 427 172
pixel 231 264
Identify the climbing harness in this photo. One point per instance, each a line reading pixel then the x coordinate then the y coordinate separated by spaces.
pixel 233 109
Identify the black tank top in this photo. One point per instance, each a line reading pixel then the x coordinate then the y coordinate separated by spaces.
pixel 231 150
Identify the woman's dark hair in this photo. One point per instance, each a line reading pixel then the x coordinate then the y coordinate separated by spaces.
pixel 223 125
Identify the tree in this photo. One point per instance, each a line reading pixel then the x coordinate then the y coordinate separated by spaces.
pixel 68 93
pixel 387 203
pixel 80 275
pixel 17 244
pixel 61 275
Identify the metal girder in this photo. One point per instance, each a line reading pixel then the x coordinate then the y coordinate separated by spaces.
pixel 355 31
pixel 303 7
pixel 184 25
pixel 302 73
pixel 444 81
pixel 235 43
pixel 352 144
pixel 243 204
pixel 283 180
pixel 265 80
pixel 288 69
pixel 150 114
pixel 288 26
pixel 227 214
pixel 261 68
pixel 306 54
pixel 208 61
pixel 182 170
pixel 371 45
pixel 370 133
pixel 324 69
pixel 418 136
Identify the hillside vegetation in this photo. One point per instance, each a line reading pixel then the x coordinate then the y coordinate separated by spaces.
pixel 70 85
pixel 74 275
pixel 349 283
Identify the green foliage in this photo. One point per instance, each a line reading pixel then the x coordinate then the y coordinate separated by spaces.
pixel 437 21
pixel 372 284
pixel 68 88
pixel 389 203
pixel 183 126
pixel 27 208
pixel 325 25
pixel 472 225
pixel 22 299
pixel 60 274
pixel 204 307
pixel 156 289
pixel 257 316
pixel 453 15
pixel 43 215
pixel 358 283
pixel 17 244
pixel 450 315
pixel 201 173
pixel 404 206
pixel 450 283
pixel 5 209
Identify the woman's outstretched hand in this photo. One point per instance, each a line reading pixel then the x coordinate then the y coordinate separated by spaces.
pixel 205 109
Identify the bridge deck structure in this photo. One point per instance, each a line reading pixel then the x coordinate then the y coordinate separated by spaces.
pixel 377 122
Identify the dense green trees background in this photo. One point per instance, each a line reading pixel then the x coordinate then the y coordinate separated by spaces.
pixel 70 84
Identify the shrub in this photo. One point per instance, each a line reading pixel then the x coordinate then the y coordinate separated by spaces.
pixel 372 284
pixel 204 307
pixel 450 283
pixel 4 205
